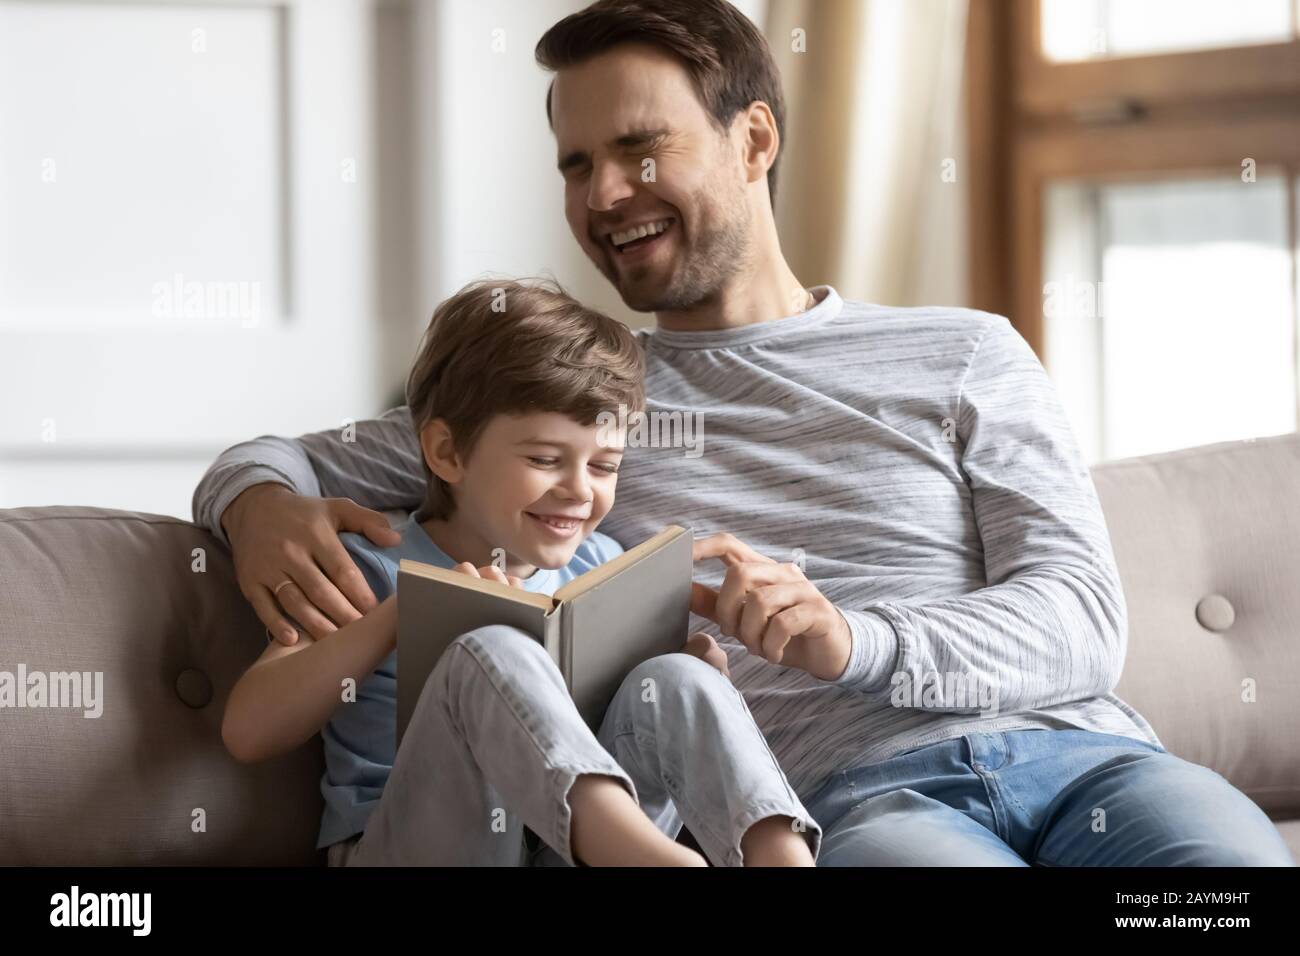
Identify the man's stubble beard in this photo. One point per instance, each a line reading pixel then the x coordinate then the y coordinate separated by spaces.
pixel 702 270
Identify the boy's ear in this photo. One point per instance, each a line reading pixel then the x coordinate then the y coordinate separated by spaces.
pixel 440 451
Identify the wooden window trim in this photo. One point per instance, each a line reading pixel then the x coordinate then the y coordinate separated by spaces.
pixel 1048 89
pixel 1031 121
pixel 1202 147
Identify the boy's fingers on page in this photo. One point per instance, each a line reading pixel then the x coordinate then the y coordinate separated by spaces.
pixel 466 568
pixel 704 600
pixel 269 613
pixel 493 573
pixel 350 516
pixel 726 546
pixel 515 582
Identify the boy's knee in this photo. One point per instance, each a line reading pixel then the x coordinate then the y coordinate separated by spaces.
pixel 673 674
pixel 502 647
pixel 498 641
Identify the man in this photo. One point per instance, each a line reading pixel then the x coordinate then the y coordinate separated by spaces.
pixel 920 604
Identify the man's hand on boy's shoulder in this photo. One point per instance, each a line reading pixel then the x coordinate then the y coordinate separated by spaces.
pixel 491 572
pixel 772 609
pixel 289 559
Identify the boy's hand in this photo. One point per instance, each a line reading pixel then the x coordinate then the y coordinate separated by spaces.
pixel 704 647
pixel 490 571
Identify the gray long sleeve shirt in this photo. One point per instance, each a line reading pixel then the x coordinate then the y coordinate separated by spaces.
pixel 916 462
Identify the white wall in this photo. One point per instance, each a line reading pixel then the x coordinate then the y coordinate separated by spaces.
pixel 230 144
pixel 354 161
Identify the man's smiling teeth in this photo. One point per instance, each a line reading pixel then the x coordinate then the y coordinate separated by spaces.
pixel 627 235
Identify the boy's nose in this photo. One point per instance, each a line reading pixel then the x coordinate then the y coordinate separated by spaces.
pixel 575 485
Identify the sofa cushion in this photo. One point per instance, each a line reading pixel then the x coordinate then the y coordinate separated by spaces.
pixel 148 781
pixel 1208 546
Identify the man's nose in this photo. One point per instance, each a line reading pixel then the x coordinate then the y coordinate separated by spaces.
pixel 609 187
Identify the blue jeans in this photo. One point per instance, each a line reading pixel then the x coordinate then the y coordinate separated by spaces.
pixel 1041 797
pixel 495 743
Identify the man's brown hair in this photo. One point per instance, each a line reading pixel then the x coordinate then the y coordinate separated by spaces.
pixel 726 56
pixel 507 347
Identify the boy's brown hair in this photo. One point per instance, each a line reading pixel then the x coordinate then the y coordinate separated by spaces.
pixel 725 54
pixel 507 347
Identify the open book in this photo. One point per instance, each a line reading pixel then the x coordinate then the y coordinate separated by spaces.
pixel 596 628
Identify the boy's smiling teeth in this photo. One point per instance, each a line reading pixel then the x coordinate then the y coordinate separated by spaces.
pixel 562 524
pixel 637 232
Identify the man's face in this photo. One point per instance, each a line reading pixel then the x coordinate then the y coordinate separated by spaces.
pixel 611 114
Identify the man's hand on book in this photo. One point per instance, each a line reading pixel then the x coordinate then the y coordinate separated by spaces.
pixel 772 609
pixel 491 572
pixel 288 558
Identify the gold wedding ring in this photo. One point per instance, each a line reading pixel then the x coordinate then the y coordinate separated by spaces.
pixel 285 583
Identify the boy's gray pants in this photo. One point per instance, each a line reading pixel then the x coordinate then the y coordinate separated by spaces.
pixel 495 743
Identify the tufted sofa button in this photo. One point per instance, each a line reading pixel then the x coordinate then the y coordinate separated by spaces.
pixel 1215 612
pixel 194 688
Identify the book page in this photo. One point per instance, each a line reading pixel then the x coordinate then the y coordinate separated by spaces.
pixel 616 565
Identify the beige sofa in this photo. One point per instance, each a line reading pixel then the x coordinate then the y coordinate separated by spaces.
pixel 1208 542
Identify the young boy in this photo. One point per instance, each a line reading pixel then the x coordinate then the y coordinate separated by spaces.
pixel 504 395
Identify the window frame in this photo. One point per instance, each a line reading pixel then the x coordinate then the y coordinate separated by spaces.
pixel 1031 121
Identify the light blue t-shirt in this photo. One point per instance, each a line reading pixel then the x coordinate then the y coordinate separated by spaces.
pixel 360 739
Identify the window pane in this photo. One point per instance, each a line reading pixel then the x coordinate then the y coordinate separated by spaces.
pixel 1096 29
pixel 1169 311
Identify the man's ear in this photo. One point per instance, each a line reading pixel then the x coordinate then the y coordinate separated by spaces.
pixel 759 139
pixel 440 451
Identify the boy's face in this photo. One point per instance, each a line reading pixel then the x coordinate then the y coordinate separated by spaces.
pixel 612 115
pixel 537 485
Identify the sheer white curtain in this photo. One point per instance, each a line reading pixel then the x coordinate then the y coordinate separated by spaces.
pixel 871 196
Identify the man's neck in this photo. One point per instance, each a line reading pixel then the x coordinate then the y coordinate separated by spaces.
pixel 764 291
pixel 464 544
